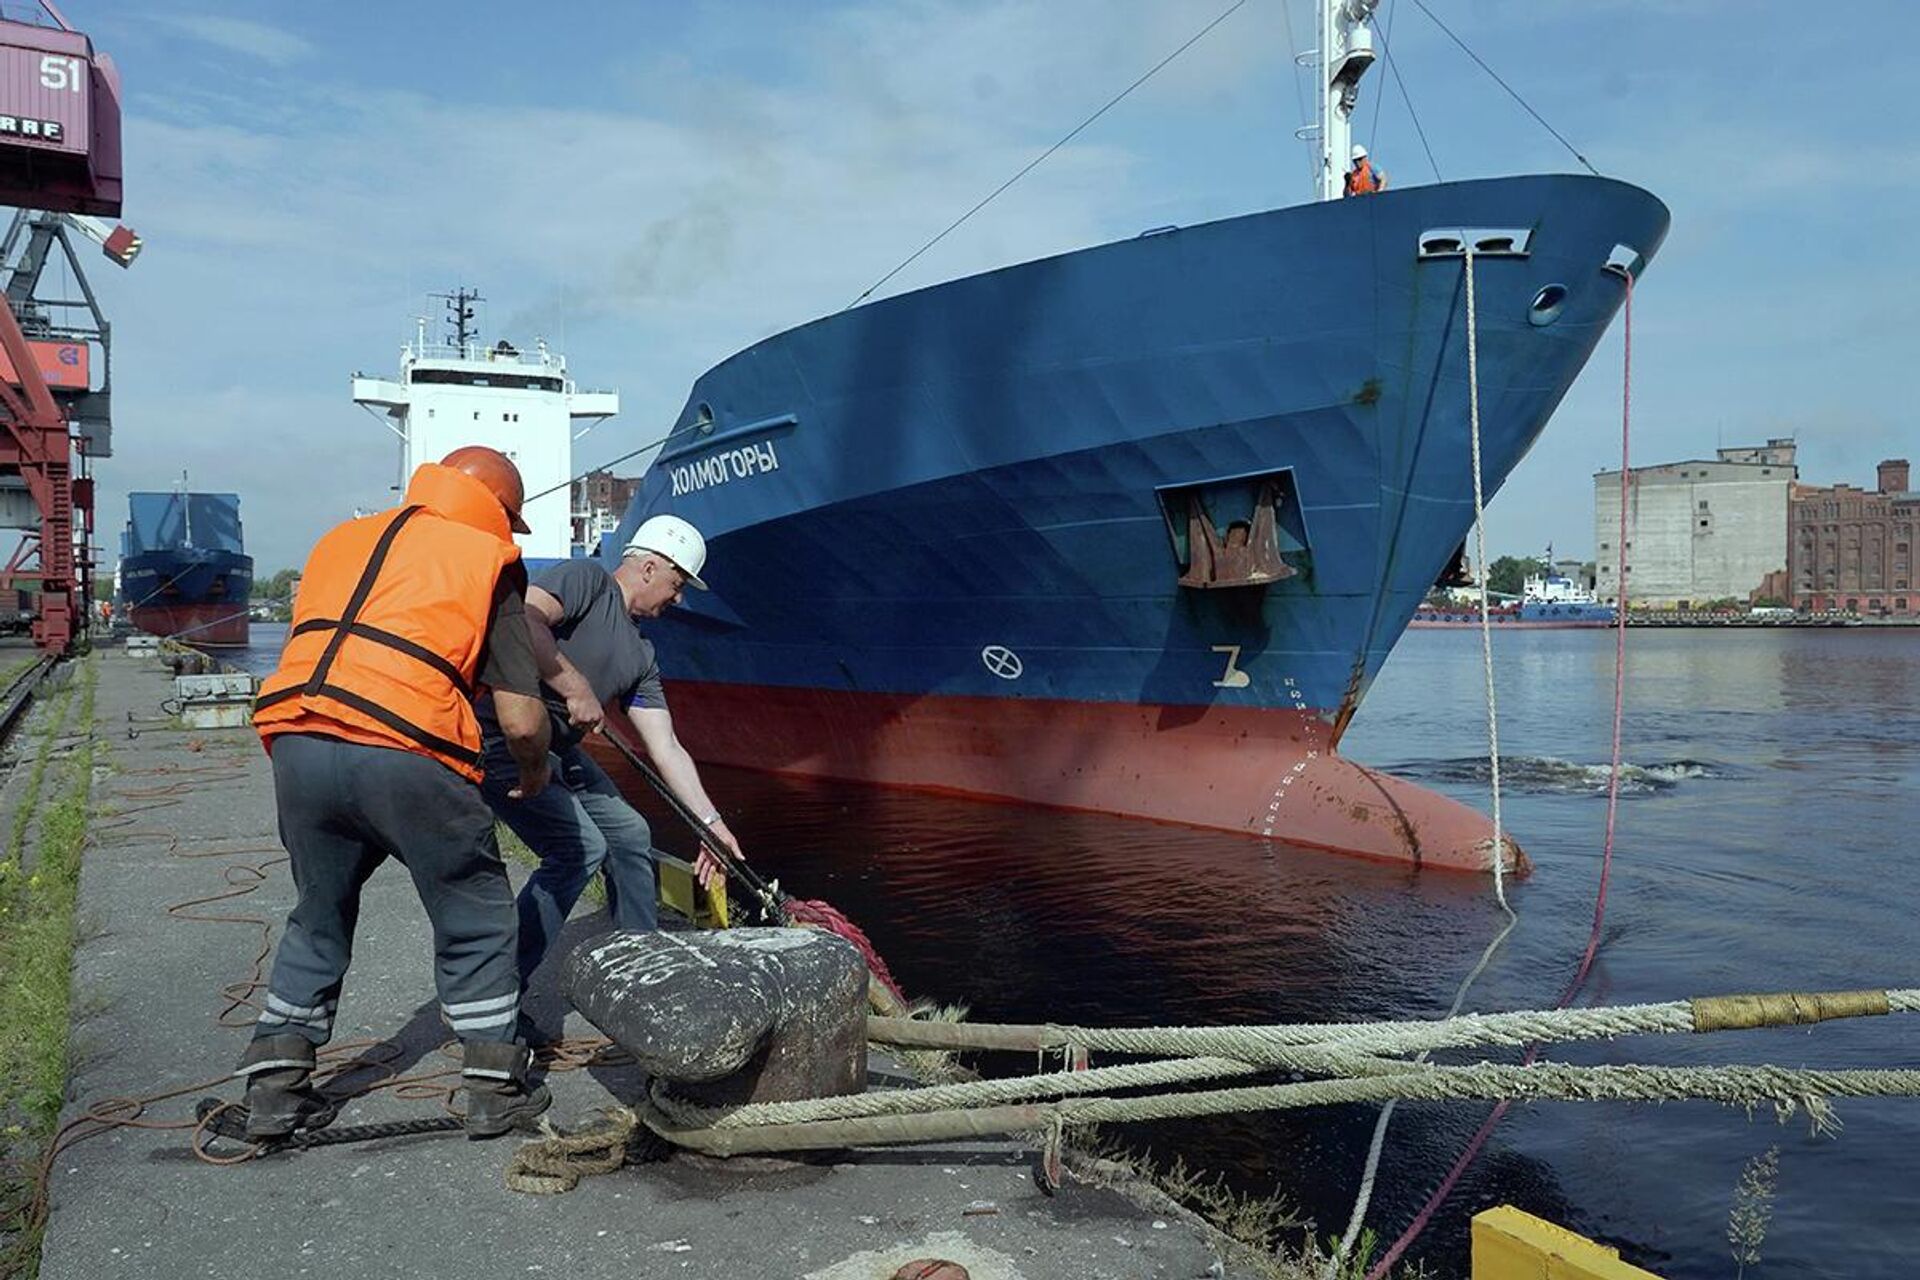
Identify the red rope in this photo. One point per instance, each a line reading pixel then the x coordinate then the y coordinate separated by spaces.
pixel 824 915
pixel 1480 1135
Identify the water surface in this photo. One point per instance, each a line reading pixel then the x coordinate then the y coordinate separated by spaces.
pixel 1765 843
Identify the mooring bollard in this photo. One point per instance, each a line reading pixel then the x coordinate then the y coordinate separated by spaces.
pixel 730 1016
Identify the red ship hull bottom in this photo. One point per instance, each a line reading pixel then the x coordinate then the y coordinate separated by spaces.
pixel 215 623
pixel 1261 772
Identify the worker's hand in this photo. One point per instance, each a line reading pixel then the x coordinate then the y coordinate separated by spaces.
pixel 584 712
pixel 706 866
pixel 532 781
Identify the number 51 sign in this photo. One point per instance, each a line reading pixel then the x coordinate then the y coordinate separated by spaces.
pixel 44 100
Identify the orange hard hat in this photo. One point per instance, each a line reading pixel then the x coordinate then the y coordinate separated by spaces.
pixel 495 470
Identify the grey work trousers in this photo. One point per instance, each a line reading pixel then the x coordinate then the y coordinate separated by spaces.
pixel 344 809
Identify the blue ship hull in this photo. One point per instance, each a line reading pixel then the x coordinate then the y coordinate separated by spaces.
pixel 947 529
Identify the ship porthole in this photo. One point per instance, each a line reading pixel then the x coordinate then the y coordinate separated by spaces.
pixel 1547 304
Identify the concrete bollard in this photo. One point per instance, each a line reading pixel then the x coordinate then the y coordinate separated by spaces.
pixel 732 1015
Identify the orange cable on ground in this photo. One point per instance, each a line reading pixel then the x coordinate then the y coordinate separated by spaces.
pixel 339 1060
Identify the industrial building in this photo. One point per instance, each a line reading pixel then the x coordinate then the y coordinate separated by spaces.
pixel 600 498
pixel 1850 550
pixel 1697 531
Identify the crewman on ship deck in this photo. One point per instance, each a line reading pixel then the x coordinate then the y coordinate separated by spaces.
pixel 584 621
pixel 376 755
pixel 1362 178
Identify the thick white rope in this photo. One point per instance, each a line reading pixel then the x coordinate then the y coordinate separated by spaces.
pixel 750 1128
pixel 1486 618
pixel 1263 1044
pixel 1364 1196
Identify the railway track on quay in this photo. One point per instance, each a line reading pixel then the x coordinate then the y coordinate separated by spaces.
pixel 17 693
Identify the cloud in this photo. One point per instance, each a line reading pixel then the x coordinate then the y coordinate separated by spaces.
pixel 676 199
pixel 290 241
pixel 241 35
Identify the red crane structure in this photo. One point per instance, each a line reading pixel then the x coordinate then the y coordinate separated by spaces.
pixel 60 166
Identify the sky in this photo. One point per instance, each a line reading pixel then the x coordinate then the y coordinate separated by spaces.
pixel 652 186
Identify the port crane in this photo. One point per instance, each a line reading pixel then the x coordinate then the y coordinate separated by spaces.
pixel 61 168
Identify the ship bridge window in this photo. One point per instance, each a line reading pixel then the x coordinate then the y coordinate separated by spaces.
pixel 466 378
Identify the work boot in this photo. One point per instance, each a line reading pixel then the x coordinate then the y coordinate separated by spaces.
pixel 280 1092
pixel 499 1098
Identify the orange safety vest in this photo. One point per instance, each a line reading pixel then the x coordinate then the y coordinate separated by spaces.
pixel 390 621
pixel 1363 181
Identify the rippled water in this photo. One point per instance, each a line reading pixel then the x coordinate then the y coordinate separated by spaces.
pixel 1766 843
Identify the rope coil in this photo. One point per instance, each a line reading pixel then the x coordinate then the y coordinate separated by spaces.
pixel 554 1163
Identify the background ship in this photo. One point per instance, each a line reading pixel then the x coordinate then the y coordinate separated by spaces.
pixel 1548 601
pixel 523 403
pixel 183 568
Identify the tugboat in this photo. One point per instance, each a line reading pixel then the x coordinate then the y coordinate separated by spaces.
pixel 1550 601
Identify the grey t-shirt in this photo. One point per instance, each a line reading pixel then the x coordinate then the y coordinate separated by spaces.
pixel 597 635
pixel 601 640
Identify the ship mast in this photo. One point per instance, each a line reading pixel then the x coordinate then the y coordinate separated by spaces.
pixel 1346 51
pixel 460 316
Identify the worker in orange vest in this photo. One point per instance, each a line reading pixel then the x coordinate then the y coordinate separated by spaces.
pixel 1363 179
pixel 401 618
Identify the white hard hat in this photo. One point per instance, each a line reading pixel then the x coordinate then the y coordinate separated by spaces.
pixel 1359 152
pixel 678 541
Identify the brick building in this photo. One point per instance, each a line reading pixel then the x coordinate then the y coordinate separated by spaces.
pixel 600 498
pixel 1852 551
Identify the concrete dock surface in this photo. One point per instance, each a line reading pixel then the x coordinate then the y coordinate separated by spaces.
pixel 183 816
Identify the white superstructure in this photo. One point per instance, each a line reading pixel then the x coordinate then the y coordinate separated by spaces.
pixel 1552 588
pixel 519 402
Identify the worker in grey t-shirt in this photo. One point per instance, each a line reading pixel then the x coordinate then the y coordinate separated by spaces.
pixel 591 653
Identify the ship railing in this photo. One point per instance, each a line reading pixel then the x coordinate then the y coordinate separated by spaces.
pixel 476 351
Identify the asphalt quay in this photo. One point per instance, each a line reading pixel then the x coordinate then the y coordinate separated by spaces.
pixel 183 891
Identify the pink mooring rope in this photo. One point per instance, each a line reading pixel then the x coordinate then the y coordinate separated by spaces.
pixel 1472 1150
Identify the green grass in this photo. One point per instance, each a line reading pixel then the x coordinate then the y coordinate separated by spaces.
pixel 36 960
pixel 1268 1236
pixel 12 669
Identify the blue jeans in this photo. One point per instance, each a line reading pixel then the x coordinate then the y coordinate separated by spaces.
pixel 578 825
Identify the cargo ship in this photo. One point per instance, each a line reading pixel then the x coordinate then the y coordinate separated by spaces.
pixel 184 571
pixel 465 391
pixel 1129 530
pixel 1133 529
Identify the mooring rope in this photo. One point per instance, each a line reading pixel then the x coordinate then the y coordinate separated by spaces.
pixel 1355 1057
pixel 979 1093
pixel 1487 1126
pixel 751 1130
pixel 1376 1147
pixel 1243 1050
pixel 1473 1030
